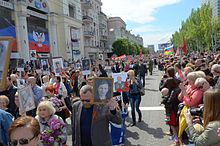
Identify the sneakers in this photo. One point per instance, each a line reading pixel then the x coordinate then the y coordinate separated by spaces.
pixel 167 119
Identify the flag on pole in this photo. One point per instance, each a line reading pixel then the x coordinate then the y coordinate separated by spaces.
pixel 178 51
pixel 184 47
pixel 140 53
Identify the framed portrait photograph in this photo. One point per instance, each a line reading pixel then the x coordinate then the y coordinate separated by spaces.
pixel 45 64
pixel 57 65
pixel 33 55
pixel 86 66
pixel 26 99
pixel 119 81
pixel 102 89
pixel 5 52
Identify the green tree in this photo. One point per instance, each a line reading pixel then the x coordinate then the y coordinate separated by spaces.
pixel 199 30
pixel 124 46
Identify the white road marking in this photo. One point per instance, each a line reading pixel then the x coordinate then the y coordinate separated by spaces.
pixel 154 108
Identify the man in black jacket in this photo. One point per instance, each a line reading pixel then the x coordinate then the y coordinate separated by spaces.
pixel 142 71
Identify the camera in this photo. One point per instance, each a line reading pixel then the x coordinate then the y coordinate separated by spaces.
pixel 197 111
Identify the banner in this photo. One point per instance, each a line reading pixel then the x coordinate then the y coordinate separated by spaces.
pixel 38 34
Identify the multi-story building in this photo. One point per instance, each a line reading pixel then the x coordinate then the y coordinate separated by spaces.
pixel 103 33
pixel 66 29
pixel 117 29
pixel 27 23
pixel 151 49
pixel 215 4
pixel 7 24
pixel 90 14
pixel 47 28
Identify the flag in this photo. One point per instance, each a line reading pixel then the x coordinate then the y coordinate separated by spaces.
pixel 178 51
pixel 169 50
pixel 172 50
pixel 182 122
pixel 184 46
pixel 140 53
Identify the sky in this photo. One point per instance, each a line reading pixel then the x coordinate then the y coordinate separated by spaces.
pixel 154 20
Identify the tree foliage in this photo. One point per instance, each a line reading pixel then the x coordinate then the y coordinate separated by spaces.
pixel 124 46
pixel 199 30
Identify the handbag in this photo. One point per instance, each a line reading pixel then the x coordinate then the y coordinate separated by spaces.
pixel 66 113
pixel 142 91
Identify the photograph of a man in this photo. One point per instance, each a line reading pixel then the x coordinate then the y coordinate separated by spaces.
pixel 103 89
pixel 119 84
pixel 85 64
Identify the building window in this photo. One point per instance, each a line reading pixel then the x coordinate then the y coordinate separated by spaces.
pixel 72 11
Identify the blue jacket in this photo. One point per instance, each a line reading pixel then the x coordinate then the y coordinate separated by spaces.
pixel 5 123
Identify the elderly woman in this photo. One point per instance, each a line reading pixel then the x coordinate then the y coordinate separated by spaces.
pixel 187 70
pixel 45 114
pixel 4 101
pixel 190 95
pixel 215 70
pixel 211 115
pixel 24 131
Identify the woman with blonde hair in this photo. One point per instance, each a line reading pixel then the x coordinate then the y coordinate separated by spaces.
pixel 134 95
pixel 187 70
pixel 211 115
pixel 4 101
pixel 46 114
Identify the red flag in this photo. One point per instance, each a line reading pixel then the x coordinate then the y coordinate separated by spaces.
pixel 140 53
pixel 129 58
pixel 184 46
pixel 178 51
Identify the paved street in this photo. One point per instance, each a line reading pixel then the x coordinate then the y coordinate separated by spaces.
pixel 149 132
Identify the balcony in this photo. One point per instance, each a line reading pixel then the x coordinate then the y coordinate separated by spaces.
pixel 101 25
pixel 88 34
pixel 87 4
pixel 87 19
pixel 103 38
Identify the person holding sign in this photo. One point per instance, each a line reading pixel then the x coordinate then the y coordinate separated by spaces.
pixel 92 120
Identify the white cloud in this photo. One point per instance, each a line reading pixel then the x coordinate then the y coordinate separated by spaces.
pixel 140 11
pixel 144 29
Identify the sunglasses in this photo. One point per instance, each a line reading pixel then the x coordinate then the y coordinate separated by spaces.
pixel 85 100
pixel 22 141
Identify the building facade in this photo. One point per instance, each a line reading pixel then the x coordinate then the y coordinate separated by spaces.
pixel 90 17
pixel 43 29
pixel 215 4
pixel 117 30
pixel 66 29
pixel 151 49
pixel 103 33
pixel 71 29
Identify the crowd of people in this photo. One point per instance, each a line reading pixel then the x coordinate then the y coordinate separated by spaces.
pixel 70 95
pixel 190 89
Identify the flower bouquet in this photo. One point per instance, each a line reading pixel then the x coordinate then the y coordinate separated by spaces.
pixel 57 103
pixel 53 134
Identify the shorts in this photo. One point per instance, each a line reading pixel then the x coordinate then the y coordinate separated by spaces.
pixel 172 121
